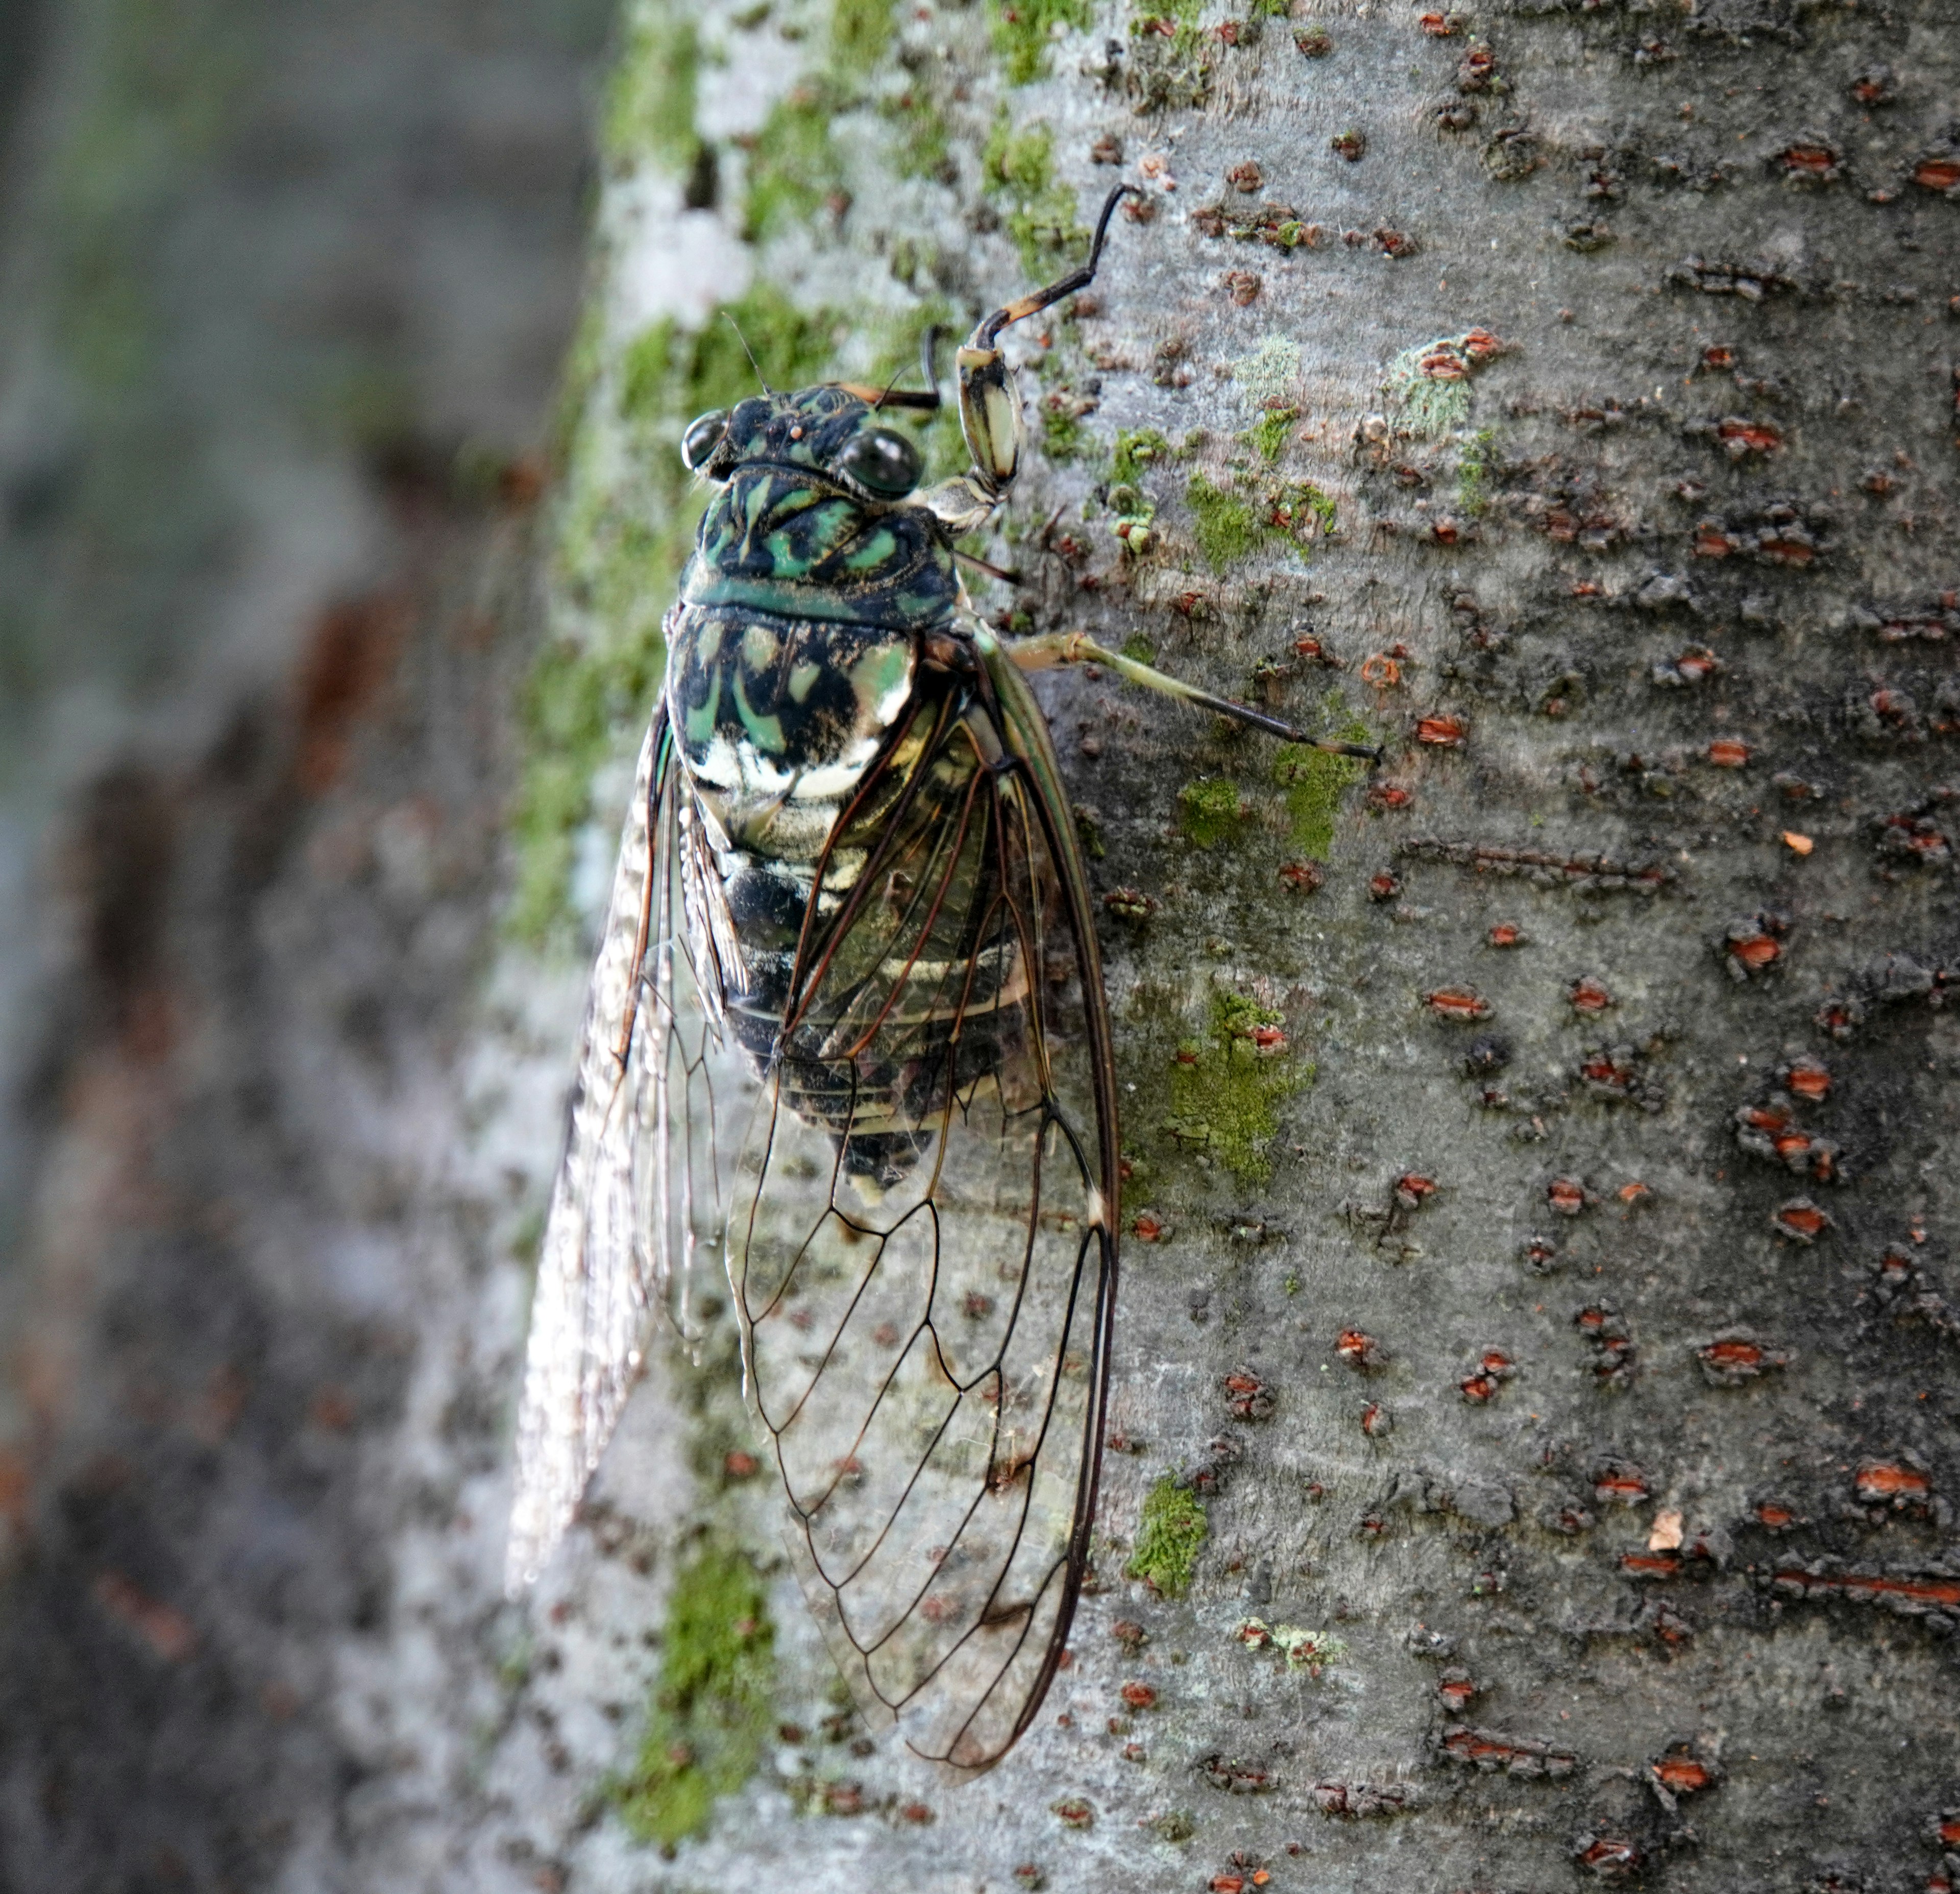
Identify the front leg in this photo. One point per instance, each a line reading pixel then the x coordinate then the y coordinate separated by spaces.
pixel 1077 647
pixel 990 403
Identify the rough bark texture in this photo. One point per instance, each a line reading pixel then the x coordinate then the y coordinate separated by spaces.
pixel 1534 1412
pixel 284 295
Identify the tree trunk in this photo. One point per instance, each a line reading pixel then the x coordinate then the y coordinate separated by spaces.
pixel 1531 1427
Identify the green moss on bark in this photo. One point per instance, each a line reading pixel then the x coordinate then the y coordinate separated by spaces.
pixel 1226 526
pixel 710 1713
pixel 1170 1536
pixel 1269 435
pixel 1225 1091
pixel 1136 449
pixel 1023 29
pixel 1314 782
pixel 861 30
pixel 649 110
pixel 1019 166
pixel 1473 473
pixel 794 167
pixel 1210 810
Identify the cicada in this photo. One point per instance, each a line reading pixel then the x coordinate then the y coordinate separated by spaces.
pixel 846 1038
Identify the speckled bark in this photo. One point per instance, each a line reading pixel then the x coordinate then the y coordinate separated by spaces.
pixel 1546 1312
pixel 1603 1433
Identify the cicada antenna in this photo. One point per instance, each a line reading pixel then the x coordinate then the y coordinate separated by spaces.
pixel 749 352
pixel 926 400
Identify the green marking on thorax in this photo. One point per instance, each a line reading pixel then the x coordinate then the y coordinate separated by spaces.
pixel 702 718
pixel 880 673
pixel 759 647
pixel 767 732
pixel 877 548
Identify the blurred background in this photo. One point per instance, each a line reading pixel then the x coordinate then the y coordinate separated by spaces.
pixel 286 293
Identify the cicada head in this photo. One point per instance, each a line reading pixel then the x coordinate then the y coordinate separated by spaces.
pixel 812 517
pixel 829 430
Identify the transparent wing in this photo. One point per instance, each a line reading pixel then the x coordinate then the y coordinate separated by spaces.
pixel 637 1198
pixel 922 1221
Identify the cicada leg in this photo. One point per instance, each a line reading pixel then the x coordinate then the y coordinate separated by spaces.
pixel 1075 648
pixel 990 404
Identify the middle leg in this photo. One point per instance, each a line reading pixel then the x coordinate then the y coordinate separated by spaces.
pixel 1077 647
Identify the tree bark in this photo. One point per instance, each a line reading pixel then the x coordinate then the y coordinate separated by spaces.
pixel 1531 1435
pixel 1553 1327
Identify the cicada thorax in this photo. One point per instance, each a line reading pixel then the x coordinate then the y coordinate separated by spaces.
pixel 846 897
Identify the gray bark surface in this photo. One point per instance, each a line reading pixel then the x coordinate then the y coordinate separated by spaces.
pixel 1530 1325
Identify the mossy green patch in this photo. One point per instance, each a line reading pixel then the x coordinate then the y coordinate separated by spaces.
pixel 1314 781
pixel 922 148
pixel 1170 1536
pixel 649 109
pixel 1473 473
pixel 1022 30
pixel 1168 72
pixel 1226 1090
pixel 1063 437
pixel 1269 435
pixel 1018 164
pixel 1227 527
pixel 1210 810
pixel 711 1712
pixel 572 701
pixel 1136 449
pixel 669 374
pixel 646 370
pixel 793 168
pixel 860 32
pixel 792 347
pixel 1302 496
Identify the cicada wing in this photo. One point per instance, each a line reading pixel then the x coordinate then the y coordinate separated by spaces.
pixel 638 1193
pixel 923 1226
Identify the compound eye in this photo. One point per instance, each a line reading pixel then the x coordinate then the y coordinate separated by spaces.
pixel 702 437
pixel 886 463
